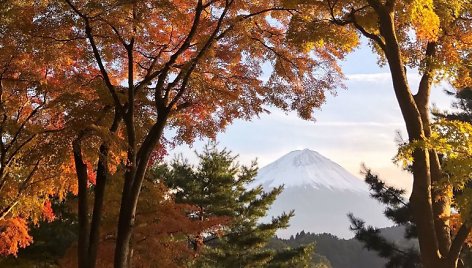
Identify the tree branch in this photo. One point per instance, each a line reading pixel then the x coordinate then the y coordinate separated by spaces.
pixel 424 88
pixel 377 39
pixel 96 53
pixel 248 16
pixel 458 241
pixel 162 74
pixel 390 5
pixel 202 51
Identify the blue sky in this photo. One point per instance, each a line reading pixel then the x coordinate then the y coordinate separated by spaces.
pixel 358 125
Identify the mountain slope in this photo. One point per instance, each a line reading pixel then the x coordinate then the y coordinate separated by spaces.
pixel 321 192
pixel 308 168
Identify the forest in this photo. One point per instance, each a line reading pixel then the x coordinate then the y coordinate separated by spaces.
pixel 95 95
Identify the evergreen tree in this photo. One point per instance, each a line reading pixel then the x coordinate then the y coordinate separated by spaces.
pixel 463 104
pixel 218 186
pixel 399 212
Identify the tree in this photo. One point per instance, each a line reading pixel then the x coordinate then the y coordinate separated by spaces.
pixel 398 209
pixel 463 104
pixel 432 36
pixel 33 155
pixel 41 115
pixel 194 66
pixel 218 186
pixel 51 238
pixel 161 225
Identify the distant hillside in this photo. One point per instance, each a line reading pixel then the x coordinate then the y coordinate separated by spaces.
pixel 342 253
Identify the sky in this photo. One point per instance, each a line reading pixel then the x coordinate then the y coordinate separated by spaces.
pixel 357 125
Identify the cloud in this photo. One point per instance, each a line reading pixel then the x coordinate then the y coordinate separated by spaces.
pixel 348 124
pixel 413 77
pixel 369 78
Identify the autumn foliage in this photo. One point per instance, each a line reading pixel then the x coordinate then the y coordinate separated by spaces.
pixel 92 92
pixel 33 146
pixel 14 236
pixel 162 230
pixel 433 38
pixel 187 66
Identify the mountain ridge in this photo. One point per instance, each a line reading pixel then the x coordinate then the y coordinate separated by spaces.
pixel 320 192
pixel 307 167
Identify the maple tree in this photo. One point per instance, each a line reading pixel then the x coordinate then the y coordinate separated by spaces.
pixel 51 238
pixel 33 155
pixel 190 66
pixel 161 225
pixel 121 73
pixel 40 119
pixel 433 36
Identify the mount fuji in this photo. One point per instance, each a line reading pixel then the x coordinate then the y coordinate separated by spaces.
pixel 321 192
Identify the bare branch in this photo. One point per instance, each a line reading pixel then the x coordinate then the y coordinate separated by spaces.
pixel 351 19
pixel 162 74
pixel 377 39
pixel 273 50
pixel 117 33
pixel 23 124
pixel 56 39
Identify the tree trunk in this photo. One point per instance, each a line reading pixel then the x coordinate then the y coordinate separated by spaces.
pixel 89 233
pixel 81 170
pixel 420 199
pixel 440 194
pixel 125 225
pixel 134 177
pixel 441 205
pixel 99 194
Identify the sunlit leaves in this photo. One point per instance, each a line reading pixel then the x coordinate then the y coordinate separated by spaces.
pixel 227 82
pixel 424 19
pixel 446 23
pixel 13 235
pixel 33 143
pixel 452 140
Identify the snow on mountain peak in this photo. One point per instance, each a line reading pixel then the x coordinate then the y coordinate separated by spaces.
pixel 308 168
pixel 320 192
pixel 306 158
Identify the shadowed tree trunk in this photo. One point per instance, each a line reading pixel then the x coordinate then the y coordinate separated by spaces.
pixel 89 230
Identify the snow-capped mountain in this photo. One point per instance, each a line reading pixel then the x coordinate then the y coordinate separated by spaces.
pixel 321 192
pixel 308 168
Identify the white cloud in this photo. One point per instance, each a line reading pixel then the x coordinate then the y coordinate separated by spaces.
pixel 359 124
pixel 369 78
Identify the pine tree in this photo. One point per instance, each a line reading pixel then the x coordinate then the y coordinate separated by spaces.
pixel 397 210
pixel 218 186
pixel 463 104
